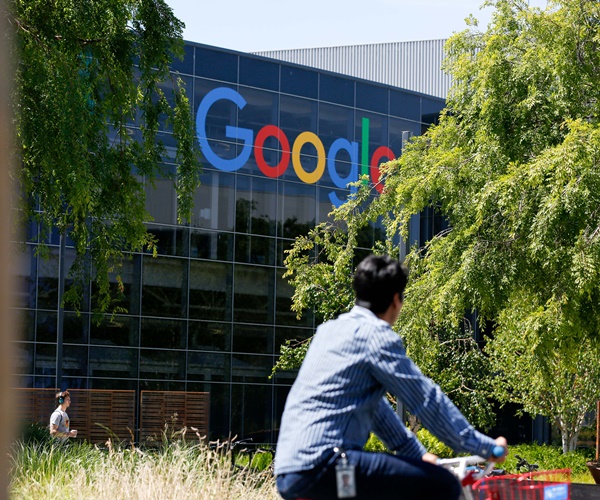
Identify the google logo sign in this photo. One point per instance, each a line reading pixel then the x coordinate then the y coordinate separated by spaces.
pixel 359 153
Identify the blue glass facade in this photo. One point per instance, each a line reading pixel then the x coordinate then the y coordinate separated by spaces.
pixel 280 143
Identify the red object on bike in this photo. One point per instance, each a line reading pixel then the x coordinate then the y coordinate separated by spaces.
pixel 538 485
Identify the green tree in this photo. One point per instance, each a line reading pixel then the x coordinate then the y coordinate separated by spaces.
pixel 513 167
pixel 93 91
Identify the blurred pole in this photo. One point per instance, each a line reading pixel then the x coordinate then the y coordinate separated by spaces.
pixel 7 320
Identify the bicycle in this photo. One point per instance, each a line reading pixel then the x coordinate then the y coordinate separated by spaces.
pixel 480 484
pixel 468 471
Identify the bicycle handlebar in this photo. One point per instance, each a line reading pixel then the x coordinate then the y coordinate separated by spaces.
pixel 460 463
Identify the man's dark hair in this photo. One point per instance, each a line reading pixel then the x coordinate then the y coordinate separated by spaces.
pixel 376 280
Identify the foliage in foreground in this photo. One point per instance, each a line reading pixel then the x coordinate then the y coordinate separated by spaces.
pixel 94 106
pixel 512 167
pixel 176 471
pixel 547 457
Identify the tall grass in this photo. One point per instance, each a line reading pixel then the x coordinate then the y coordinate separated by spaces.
pixel 176 471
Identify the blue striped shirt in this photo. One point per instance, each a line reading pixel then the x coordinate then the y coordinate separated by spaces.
pixel 338 397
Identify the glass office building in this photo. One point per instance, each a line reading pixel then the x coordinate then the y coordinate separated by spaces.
pixel 280 143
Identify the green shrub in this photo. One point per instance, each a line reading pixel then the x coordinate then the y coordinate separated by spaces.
pixel 375 445
pixel 34 433
pixel 434 445
pixel 548 458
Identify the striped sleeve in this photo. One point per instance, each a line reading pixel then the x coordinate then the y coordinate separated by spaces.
pixel 392 431
pixel 400 376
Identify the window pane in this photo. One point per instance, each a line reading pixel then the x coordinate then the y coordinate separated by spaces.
pixel 252 368
pixel 405 105
pixel 210 290
pixel 299 81
pixel 172 240
pixel 259 73
pixel 336 89
pixel 253 294
pixel 162 364
pixel 256 205
pixel 214 201
pixel 163 333
pixel 209 366
pixel 162 285
pixel 254 250
pixel 253 339
pixel 45 359
pixel 284 315
pixel 251 411
pixel 211 245
pixel 209 336
pixel 75 361
pixel 76 329
pixel 219 65
pixel 117 330
pixel 371 97
pixel 297 209
pixel 113 362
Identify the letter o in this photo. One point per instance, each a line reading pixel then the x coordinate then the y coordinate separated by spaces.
pixel 261 136
pixel 303 175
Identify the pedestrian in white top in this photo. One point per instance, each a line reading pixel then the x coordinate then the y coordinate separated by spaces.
pixel 59 420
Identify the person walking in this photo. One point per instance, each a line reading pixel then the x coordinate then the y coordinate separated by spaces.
pixel 59 420
pixel 338 399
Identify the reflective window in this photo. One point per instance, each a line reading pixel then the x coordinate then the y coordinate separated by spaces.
pixel 47 292
pixel 24 264
pixel 296 335
pixel 254 250
pixel 430 109
pixel 76 328
pixel 253 339
pixel 46 326
pixel 162 286
pixel 172 240
pixel 220 65
pixel 162 364
pixel 253 294
pixel 116 330
pixel 296 209
pixel 220 401
pixel 283 313
pixel 209 366
pixel 372 97
pixel 251 411
pixel 400 133
pixel 335 122
pixel 209 336
pixel 211 245
pixel 259 73
pixel 336 89
pixel 75 361
pixel 256 205
pixel 185 65
pixel 261 109
pixel 210 290
pixel 251 368
pixel 220 114
pixel 45 359
pixel 299 81
pixel 161 201
pixel 405 105
pixel 163 333
pixel 214 201
pixel 23 357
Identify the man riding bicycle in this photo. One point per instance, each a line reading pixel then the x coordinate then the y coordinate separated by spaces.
pixel 338 399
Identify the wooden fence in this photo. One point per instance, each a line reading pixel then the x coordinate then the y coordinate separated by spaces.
pixel 168 412
pixel 98 414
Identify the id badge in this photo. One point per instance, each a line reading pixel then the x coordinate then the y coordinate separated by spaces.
pixel 346 480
